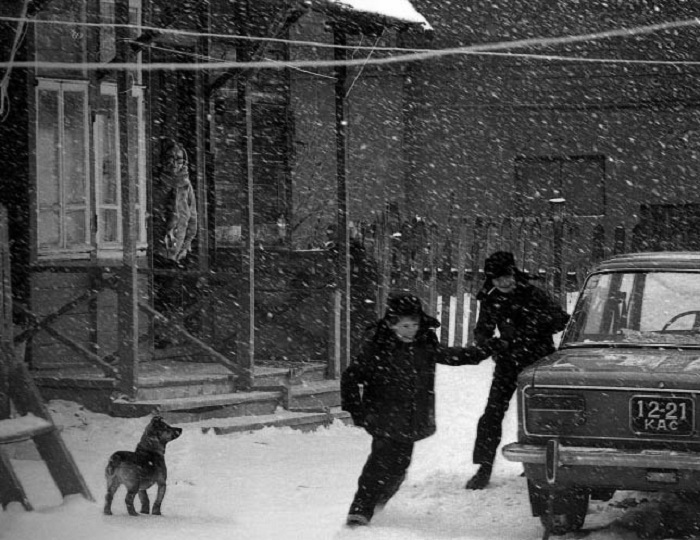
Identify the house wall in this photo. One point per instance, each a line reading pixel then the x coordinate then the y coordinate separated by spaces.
pixel 473 115
pixel 375 133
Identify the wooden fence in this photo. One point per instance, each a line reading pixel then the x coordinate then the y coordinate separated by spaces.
pixel 444 266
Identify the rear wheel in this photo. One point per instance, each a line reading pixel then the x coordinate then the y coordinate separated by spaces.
pixel 560 510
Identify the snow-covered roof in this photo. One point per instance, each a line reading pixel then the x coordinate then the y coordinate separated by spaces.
pixel 401 10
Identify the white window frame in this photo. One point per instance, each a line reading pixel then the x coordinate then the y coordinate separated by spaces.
pixel 138 93
pixel 107 89
pixel 79 250
pixel 114 249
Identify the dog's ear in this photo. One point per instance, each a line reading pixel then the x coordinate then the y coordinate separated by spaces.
pixel 157 419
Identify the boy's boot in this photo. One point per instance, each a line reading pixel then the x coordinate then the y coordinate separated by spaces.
pixel 391 486
pixel 359 514
pixel 481 479
pixel 357 520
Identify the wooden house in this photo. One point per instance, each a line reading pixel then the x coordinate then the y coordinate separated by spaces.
pixel 91 90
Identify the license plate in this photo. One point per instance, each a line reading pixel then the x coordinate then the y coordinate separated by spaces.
pixel 662 415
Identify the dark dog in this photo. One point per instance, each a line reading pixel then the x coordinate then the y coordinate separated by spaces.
pixel 139 470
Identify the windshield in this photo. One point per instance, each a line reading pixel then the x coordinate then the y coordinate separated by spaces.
pixel 660 308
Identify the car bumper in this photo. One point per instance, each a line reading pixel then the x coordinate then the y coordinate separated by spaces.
pixel 571 456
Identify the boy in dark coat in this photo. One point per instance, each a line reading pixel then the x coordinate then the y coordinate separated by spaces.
pixel 526 318
pixel 396 370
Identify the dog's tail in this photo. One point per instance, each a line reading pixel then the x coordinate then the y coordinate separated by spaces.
pixel 114 461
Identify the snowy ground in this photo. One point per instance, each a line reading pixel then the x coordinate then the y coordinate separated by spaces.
pixel 279 484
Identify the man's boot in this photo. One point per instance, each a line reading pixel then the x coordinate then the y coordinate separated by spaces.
pixel 481 478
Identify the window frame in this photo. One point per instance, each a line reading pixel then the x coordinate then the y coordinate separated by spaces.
pixel 106 249
pixel 63 250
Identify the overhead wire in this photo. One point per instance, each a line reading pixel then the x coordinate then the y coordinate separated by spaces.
pixel 195 33
pixel 493 49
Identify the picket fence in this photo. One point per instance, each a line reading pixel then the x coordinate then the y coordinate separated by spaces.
pixel 444 266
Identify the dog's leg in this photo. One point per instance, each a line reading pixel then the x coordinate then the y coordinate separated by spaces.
pixel 159 499
pixel 145 503
pixel 130 502
pixel 112 486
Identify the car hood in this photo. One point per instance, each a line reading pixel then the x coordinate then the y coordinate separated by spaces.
pixel 618 367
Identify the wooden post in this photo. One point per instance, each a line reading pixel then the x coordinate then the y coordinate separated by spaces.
pixel 343 236
pixel 433 260
pixel 6 340
pixel 461 263
pixel 476 256
pixel 127 291
pixel 619 240
pixel 248 343
pixel 334 342
pixel 201 113
pixel 383 248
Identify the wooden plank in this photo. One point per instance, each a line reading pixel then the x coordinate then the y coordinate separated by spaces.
pixel 476 256
pixel 240 371
pixel 334 341
pixel 6 329
pixel 383 243
pixel 22 428
pixel 10 487
pixel 94 359
pixel 459 286
pixel 127 287
pixel 5 280
pixel 433 257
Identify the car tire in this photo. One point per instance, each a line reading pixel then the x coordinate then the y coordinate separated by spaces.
pixel 566 512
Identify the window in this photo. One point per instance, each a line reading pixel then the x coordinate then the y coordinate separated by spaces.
pixel 579 180
pixel 62 165
pixel 108 167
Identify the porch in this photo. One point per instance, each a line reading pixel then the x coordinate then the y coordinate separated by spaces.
pixel 184 391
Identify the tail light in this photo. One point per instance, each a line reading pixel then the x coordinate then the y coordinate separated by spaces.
pixel 553 413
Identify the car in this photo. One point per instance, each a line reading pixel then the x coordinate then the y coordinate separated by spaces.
pixel 617 406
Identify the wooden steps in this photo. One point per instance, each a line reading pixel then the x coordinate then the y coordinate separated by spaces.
pixel 192 392
pixel 314 396
pixel 304 421
pixel 196 408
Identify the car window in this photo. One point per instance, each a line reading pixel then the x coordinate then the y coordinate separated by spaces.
pixel 638 307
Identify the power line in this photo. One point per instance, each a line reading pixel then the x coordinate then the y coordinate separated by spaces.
pixel 425 54
pixel 194 33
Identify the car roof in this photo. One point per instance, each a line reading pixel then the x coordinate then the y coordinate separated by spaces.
pixel 657 260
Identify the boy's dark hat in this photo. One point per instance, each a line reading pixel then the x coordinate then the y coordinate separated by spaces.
pixel 404 305
pixel 500 263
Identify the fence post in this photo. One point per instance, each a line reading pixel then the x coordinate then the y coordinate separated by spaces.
pixel 619 240
pixel 477 245
pixel 461 263
pixel 433 259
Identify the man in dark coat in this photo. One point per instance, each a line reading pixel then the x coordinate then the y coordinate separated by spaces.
pixel 526 318
pixel 389 390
